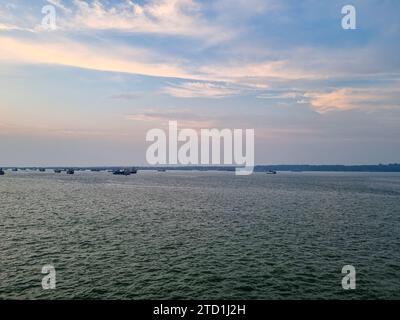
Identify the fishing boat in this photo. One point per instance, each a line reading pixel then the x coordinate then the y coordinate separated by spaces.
pixel 125 172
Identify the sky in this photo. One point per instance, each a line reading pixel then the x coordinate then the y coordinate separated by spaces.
pixel 87 92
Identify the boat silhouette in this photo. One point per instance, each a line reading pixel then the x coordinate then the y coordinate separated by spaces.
pixel 124 172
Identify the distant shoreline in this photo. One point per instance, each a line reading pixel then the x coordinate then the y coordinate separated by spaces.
pixel 395 167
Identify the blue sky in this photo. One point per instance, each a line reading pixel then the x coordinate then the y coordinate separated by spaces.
pixel 87 92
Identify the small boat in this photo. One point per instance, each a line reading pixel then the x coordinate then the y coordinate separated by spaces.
pixel 57 171
pixel 162 170
pixel 1 172
pixel 42 169
pixel 15 169
pixel 125 172
pixel 271 172
pixel 70 171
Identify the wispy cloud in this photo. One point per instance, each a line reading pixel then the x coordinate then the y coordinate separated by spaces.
pixel 166 17
pixel 279 95
pixel 200 90
pixel 354 98
pixel 7 27
pixel 239 71
pixel 122 59
pixel 59 4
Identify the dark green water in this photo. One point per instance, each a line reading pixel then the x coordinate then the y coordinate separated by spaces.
pixel 200 235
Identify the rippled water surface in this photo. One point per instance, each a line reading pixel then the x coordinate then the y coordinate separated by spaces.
pixel 200 235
